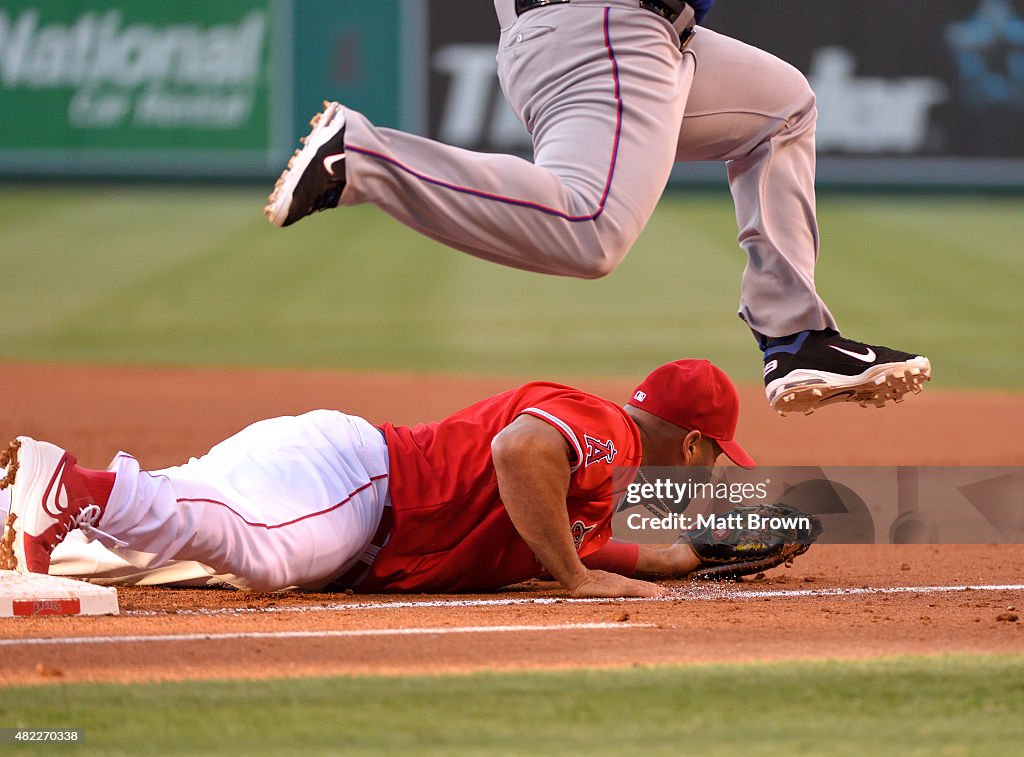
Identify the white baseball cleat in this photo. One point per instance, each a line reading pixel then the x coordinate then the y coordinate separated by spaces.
pixel 315 176
pixel 47 501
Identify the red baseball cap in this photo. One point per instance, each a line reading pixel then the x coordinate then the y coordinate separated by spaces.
pixel 695 395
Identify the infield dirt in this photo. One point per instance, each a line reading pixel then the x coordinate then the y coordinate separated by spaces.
pixel 165 416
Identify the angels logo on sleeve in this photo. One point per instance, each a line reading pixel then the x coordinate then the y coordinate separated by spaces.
pixel 598 451
pixel 579 533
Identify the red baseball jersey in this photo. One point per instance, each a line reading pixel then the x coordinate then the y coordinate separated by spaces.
pixel 451 531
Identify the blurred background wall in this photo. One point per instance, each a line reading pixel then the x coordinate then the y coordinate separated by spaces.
pixel 915 93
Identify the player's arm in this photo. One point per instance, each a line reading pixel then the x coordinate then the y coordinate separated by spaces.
pixel 531 459
pixel 653 561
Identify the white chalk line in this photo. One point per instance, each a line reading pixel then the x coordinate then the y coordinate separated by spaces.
pixel 856 592
pixel 704 593
pixel 362 632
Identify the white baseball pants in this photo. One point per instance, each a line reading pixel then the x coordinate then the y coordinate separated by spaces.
pixel 289 502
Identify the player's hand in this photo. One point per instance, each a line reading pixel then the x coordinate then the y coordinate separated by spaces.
pixel 667 561
pixel 599 583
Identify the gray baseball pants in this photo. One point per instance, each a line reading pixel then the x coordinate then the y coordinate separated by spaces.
pixel 612 104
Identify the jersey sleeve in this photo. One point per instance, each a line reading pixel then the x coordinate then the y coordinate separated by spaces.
pixel 597 432
pixel 570 432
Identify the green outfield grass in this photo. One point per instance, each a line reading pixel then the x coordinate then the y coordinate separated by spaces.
pixel 951 705
pixel 196 276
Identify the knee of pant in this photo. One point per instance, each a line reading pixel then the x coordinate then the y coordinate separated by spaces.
pixel 603 255
pixel 798 91
pixel 596 268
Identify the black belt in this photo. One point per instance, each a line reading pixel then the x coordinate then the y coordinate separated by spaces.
pixel 676 12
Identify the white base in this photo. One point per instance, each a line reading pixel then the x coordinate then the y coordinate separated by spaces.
pixel 34 595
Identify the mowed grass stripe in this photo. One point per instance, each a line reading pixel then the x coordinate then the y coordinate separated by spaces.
pixel 916 705
pixel 92 244
pixel 195 276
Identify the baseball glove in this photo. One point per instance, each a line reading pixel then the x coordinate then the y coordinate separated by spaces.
pixel 754 538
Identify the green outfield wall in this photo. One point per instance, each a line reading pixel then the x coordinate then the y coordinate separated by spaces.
pixel 189 88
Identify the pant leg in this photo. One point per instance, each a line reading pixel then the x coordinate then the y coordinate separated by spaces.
pixel 77 557
pixel 601 86
pixel 757 112
pixel 287 502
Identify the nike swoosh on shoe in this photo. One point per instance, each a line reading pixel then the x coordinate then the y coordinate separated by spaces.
pixel 330 160
pixel 867 357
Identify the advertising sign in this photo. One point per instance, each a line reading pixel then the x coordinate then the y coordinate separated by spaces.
pixel 104 85
pixel 916 77
pixel 922 91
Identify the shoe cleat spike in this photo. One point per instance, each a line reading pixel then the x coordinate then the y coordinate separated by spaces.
pixel 917 388
pixel 817 393
pixel 898 398
pixel 9 462
pixel 809 411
